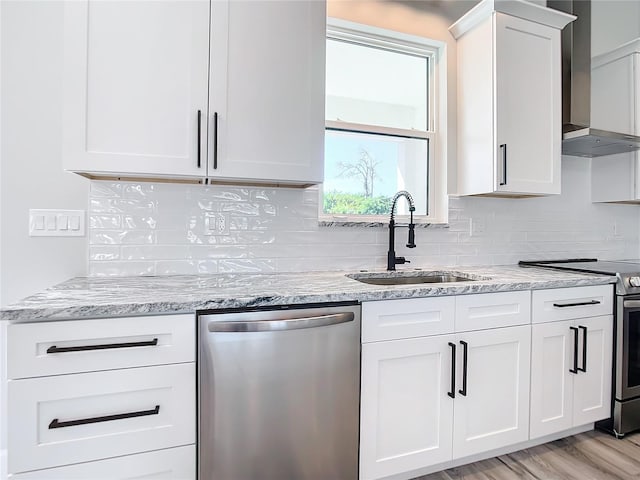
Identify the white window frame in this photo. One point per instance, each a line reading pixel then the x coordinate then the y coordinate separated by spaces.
pixel 435 51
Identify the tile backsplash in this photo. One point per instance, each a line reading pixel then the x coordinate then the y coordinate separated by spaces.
pixel 163 229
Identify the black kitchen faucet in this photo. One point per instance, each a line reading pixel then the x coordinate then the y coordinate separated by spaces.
pixel 392 260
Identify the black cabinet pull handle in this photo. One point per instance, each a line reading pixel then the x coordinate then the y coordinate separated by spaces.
pixel 199 136
pixel 215 140
pixel 584 349
pixel 575 350
pixel 107 418
pixel 106 346
pixel 463 390
pixel 503 147
pixel 452 393
pixel 577 304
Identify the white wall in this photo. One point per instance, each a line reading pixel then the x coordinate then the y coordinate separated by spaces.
pixel 31 174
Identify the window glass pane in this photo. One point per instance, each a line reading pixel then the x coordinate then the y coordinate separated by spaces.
pixel 363 172
pixel 376 87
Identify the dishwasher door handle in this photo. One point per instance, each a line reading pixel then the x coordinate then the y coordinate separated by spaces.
pixel 280 325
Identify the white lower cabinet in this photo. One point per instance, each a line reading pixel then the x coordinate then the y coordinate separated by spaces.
pixel 568 387
pixel 453 379
pixel 432 399
pixel 102 399
pixel 171 464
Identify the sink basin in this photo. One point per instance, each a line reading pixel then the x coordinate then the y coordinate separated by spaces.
pixel 409 278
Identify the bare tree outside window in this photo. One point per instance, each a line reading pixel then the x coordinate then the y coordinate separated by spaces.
pixel 364 169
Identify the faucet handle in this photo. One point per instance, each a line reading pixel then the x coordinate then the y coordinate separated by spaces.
pixel 411 243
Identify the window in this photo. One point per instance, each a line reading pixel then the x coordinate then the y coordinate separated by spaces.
pixel 381 117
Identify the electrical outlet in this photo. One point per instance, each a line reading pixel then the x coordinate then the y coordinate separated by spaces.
pixel 216 223
pixel 476 227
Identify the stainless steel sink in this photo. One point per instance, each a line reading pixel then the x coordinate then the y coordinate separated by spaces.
pixel 410 278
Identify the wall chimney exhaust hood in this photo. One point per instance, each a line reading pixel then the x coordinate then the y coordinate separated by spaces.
pixel 579 139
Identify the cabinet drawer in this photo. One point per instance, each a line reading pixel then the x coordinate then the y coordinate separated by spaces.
pixel 567 303
pixel 492 310
pixel 171 464
pixel 69 419
pixel 395 319
pixel 74 346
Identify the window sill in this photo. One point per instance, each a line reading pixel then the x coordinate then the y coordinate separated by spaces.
pixel 328 222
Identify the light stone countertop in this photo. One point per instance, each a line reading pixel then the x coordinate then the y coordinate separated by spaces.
pixel 92 297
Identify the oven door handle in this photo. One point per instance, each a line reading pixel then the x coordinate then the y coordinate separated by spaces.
pixel 631 304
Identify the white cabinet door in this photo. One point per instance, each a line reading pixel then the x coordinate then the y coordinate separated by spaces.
pixel 406 414
pixel 552 353
pixel 592 387
pixel 494 411
pixel 135 78
pixel 267 91
pixel 528 106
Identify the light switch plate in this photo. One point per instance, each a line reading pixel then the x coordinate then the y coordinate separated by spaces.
pixel 56 223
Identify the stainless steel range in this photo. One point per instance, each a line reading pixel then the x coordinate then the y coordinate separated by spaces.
pixel 626 350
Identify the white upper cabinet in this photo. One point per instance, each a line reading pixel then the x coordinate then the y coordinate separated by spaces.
pixel 509 99
pixel 226 90
pixel 135 77
pixel 615 106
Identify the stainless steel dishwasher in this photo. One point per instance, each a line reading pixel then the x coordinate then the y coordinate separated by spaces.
pixel 279 392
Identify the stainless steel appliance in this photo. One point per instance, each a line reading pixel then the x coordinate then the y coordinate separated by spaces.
pixel 279 393
pixel 579 139
pixel 626 362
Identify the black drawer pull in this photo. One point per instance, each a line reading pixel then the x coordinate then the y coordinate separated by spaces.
pixel 106 346
pixel 199 148
pixel 215 140
pixel 503 147
pixel 465 348
pixel 577 304
pixel 107 418
pixel 452 393
pixel 584 349
pixel 575 350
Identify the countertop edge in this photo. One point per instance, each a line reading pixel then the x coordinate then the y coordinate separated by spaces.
pixel 27 314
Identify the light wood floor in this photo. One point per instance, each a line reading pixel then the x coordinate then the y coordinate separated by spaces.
pixel 589 456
